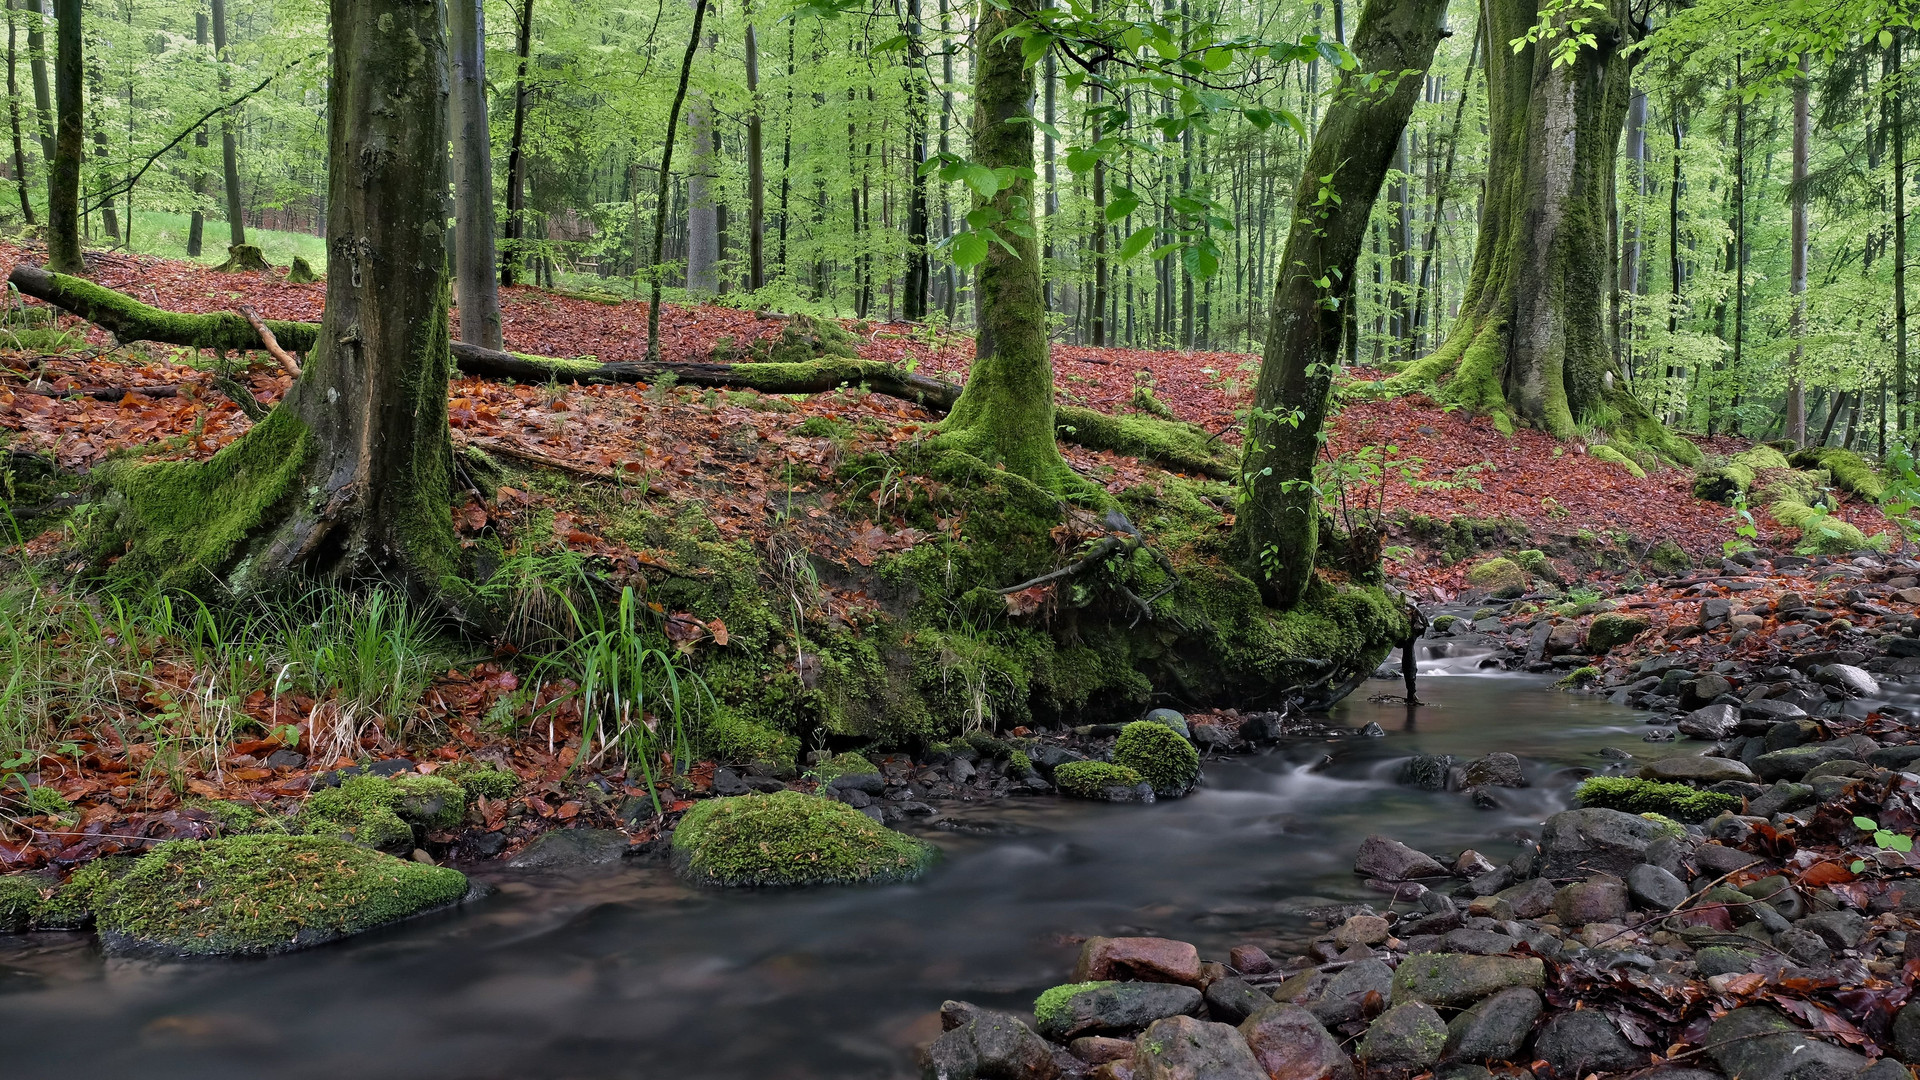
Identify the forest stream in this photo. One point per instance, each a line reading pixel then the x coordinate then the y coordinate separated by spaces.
pixel 631 973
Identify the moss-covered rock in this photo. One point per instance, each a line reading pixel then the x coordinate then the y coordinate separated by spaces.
pixel 735 740
pixel 1850 472
pixel 1498 577
pixel 1096 780
pixel 1612 628
pixel 1165 760
pixel 1579 676
pixel 1822 533
pixel 479 779
pixel 1737 476
pixel 1603 452
pixel 788 838
pixel 258 895
pixel 21 898
pixel 1535 562
pixel 381 812
pixel 826 772
pixel 1669 557
pixel 1636 796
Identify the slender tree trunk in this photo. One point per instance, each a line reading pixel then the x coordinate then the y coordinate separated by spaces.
pixel 656 270
pixel 13 115
pixel 1097 326
pixel 510 256
pixel 37 64
pixel 63 180
pixel 1900 389
pixel 756 172
pixel 197 224
pixel 1796 381
pixel 703 224
pixel 102 154
pixel 1279 523
pixel 1630 251
pixel 476 290
pixel 951 292
pixel 1429 285
pixel 1005 415
pixel 229 145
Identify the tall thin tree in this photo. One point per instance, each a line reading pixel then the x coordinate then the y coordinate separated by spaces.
pixel 656 271
pixel 63 180
pixel 476 290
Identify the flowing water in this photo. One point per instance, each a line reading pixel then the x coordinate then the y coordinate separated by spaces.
pixel 627 973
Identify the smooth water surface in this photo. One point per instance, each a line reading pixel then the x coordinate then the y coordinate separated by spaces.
pixel 627 973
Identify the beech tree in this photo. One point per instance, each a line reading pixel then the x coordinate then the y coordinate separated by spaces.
pixel 476 290
pixel 63 179
pixel 348 476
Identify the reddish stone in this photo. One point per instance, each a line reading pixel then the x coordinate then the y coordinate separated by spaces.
pixel 1249 960
pixel 1146 959
pixel 1098 1049
pixel 1291 1045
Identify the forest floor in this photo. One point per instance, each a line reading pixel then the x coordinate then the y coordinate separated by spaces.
pixel 755 466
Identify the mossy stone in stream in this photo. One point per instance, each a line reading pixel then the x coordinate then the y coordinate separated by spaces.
pixel 1160 755
pixel 1636 796
pixel 790 838
pixel 1498 578
pixel 41 901
pixel 380 812
pixel 826 772
pixel 259 895
pixel 1094 779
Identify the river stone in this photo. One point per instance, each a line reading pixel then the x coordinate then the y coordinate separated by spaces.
pixel 1710 722
pixel 1110 1007
pixel 1853 680
pixel 1456 979
pixel 1902 758
pixel 1427 772
pixel 1901 896
pixel 1391 860
pixel 1495 1029
pixel 1362 930
pixel 1168 718
pixel 1477 942
pixel 571 849
pixel 1794 731
pixel 1722 960
pixel 1304 988
pixel 1290 1044
pixel 1529 899
pixel 1704 770
pixel 986 1045
pixel 1906 1034
pixel 1344 998
pixel 1183 1048
pixel 1654 888
pixel 1792 763
pixel 1611 629
pixel 1839 929
pixel 1147 959
pixel 1703 690
pixel 1885 1069
pixel 1575 843
pixel 1249 960
pixel 1758 1043
pixel 1595 901
pixel 1780 798
pixel 1717 859
pixel 1585 1041
pixel 1408 1036
pixel 1099 1049
pixel 1496 770
pixel 1233 1000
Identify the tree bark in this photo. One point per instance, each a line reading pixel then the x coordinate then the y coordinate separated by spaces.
pixel 475 289
pixel 63 180
pixel 656 270
pixel 1005 416
pixel 13 115
pixel 919 273
pixel 109 217
pixel 703 223
pixel 756 172
pixel 516 152
pixel 197 224
pixel 229 144
pixel 1355 144
pixel 1796 382
pixel 1901 391
pixel 37 64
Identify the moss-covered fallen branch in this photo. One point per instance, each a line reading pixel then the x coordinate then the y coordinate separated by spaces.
pixel 1175 445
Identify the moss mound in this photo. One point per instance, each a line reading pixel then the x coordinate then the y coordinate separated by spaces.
pixel 478 779
pixel 1850 472
pixel 735 740
pixel 1823 534
pixel 381 812
pixel 1050 1008
pixel 1498 577
pixel 1738 474
pixel 242 257
pixel 1636 796
pixel 258 895
pixel 826 772
pixel 788 838
pixel 1163 759
pixel 301 272
pixel 1610 629
pixel 1580 676
pixel 1611 456
pixel 1535 562
pixel 1093 779
pixel 1669 557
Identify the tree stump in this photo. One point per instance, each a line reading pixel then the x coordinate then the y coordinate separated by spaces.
pixel 301 273
pixel 243 257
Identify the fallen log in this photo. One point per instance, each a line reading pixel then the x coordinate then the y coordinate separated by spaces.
pixel 1172 445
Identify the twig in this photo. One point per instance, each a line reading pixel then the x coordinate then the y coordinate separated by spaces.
pixel 285 358
pixel 534 457
pixel 98 393
pixel 1096 555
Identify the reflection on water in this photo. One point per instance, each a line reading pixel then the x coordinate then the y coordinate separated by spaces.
pixel 628 974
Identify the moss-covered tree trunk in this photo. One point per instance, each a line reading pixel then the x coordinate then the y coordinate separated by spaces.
pixel 63 179
pixel 349 475
pixel 1005 415
pixel 1531 340
pixel 1279 522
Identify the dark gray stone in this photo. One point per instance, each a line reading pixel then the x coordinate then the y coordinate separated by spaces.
pixel 980 1044
pixel 1575 843
pixel 1476 942
pixel 1710 722
pixel 1495 1029
pixel 1496 770
pixel 1758 1043
pixel 1901 758
pixel 1391 860
pixel 1408 1036
pixel 1427 772
pixel 1848 678
pixel 571 849
pixel 1722 960
pixel 1906 1034
pixel 1780 798
pixel 1585 1041
pixel 1182 1048
pixel 1803 947
pixel 1654 888
pixel 1839 929
pixel 1233 1000
pixel 1122 1007
pixel 868 782
pixel 1345 994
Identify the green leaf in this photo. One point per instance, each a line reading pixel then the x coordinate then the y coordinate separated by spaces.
pixel 1121 206
pixel 1165 250
pixel 1217 59
pixel 1866 823
pixel 1901 843
pixel 1082 158
pixel 969 249
pixel 981 179
pixel 1858 865
pixel 1886 39
pixel 1136 243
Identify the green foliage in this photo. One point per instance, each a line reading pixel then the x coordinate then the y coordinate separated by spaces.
pixel 1637 796
pixel 257 895
pixel 478 779
pixel 788 838
pixel 1163 759
pixel 1091 779
pixel 1883 839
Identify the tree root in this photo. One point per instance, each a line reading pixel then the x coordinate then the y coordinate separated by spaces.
pixel 1177 446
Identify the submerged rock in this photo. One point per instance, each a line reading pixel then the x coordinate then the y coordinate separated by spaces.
pixel 569 849
pixel 258 895
pixel 788 838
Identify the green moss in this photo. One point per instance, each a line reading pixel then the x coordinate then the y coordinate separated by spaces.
pixel 1636 796
pixel 1162 758
pixel 21 897
pixel 479 779
pixel 181 524
pixel 301 272
pixel 1821 533
pixel 1850 472
pixel 824 427
pixel 788 838
pixel 1500 578
pixel 839 765
pixel 1168 443
pixel 255 895
pixel 1444 623
pixel 431 802
pixel 73 905
pixel 1610 629
pixel 1738 474
pixel 1579 676
pixel 236 818
pixel 1019 764
pixel 1669 557
pixel 1091 779
pixel 45 800
pixel 1050 1008
pixel 1668 827
pixel 732 739
pixel 380 812
pixel 1603 452
pixel 1535 562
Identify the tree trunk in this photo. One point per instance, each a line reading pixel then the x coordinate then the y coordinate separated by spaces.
pixel 13 115
pixel 102 154
pixel 1630 252
pixel 703 224
pixel 1899 125
pixel 1796 382
pixel 197 224
pixel 1005 415
pixel 655 270
pixel 63 180
pixel 229 146
pixel 350 475
pixel 1279 517
pixel 475 289
pixel 37 64
pixel 1531 340
pixel 756 172
pixel 516 153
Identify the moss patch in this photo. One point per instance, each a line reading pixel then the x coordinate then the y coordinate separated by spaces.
pixel 1821 533
pixel 1092 779
pixel 788 838
pixel 1610 629
pixel 1160 756
pixel 1500 578
pixel 1850 472
pixel 380 812
pixel 478 779
pixel 1636 796
pixel 1580 676
pixel 257 895
pixel 841 765
pixel 1738 474
pixel 1611 456
pixel 1050 1008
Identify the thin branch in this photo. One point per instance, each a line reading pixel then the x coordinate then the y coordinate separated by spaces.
pixel 286 360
